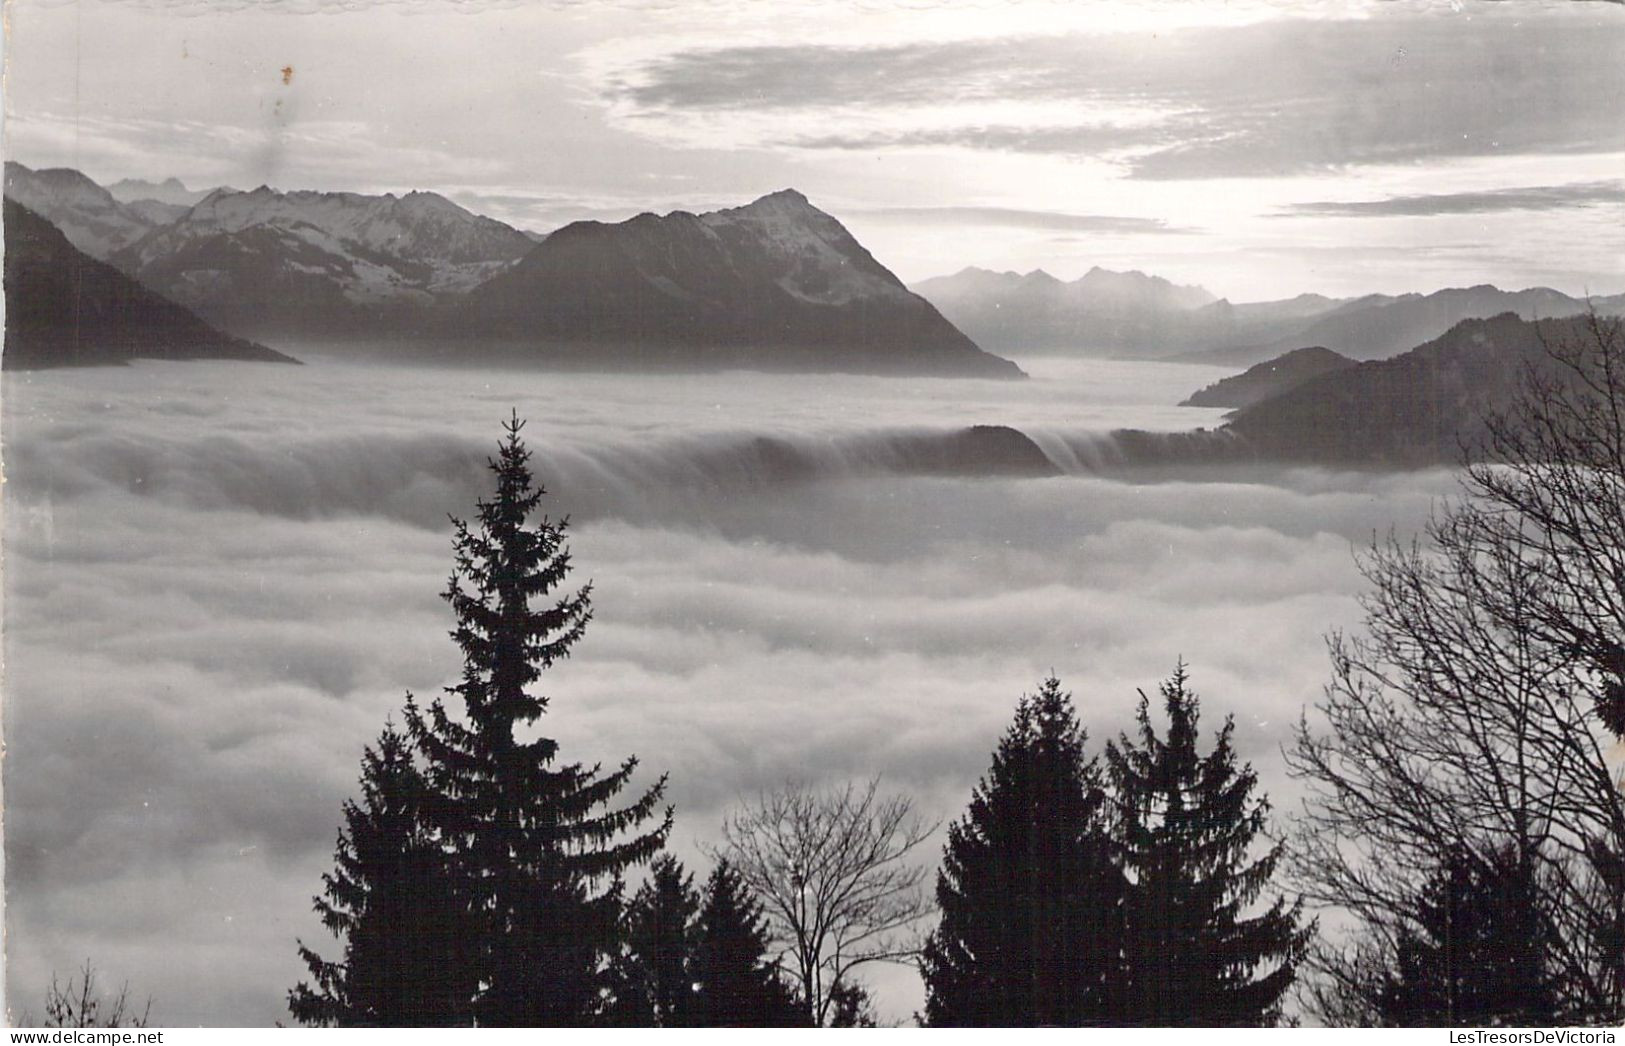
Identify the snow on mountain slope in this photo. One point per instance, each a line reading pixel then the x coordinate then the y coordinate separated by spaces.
pixel 812 255
pixel 776 283
pixel 266 261
pixel 432 244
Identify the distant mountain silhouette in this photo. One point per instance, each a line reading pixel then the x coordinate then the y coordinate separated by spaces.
pixel 87 214
pixel 1379 326
pixel 776 284
pixel 1422 407
pixel 65 308
pixel 1132 315
pixel 1270 378
pixel 1102 313
pixel 170 191
pixel 1250 324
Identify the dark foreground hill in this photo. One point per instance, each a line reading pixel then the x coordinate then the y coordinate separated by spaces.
pixel 776 284
pixel 1270 378
pixel 65 308
pixel 1423 407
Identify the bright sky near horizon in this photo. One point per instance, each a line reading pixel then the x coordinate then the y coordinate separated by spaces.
pixel 1259 149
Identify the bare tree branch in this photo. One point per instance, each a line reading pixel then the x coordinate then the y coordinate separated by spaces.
pixel 833 869
pixel 80 1004
pixel 1482 706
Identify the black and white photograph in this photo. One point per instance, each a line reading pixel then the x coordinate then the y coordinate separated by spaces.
pixel 624 514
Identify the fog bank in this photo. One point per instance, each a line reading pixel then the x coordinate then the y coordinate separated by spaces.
pixel 220 580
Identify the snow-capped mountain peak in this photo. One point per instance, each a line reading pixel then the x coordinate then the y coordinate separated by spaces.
pixel 810 254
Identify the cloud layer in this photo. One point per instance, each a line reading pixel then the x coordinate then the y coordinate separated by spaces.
pixel 1015 218
pixel 1532 198
pixel 1275 98
pixel 221 581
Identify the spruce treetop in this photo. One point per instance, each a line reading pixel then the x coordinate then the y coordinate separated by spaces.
pixel 1187 824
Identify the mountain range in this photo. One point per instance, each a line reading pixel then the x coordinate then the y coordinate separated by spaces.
pixel 301 264
pixel 777 283
pixel 65 308
pixel 169 191
pixel 1101 313
pixel 1378 327
pixel 88 215
pixel 1093 316
pixel 774 284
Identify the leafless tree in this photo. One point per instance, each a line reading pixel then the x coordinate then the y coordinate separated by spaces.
pixel 1552 494
pixel 80 1004
pixel 834 872
pixel 1479 709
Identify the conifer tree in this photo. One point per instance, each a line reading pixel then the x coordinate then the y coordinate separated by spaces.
pixel 736 984
pixel 1186 826
pixel 851 1006
pixel 536 847
pixel 1477 954
pixel 406 960
pixel 1031 903
pixel 652 979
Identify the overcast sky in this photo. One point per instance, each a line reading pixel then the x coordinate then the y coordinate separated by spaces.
pixel 1258 149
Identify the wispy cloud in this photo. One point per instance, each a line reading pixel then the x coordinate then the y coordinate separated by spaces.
pixel 1531 198
pixel 1283 97
pixel 1063 140
pixel 1023 219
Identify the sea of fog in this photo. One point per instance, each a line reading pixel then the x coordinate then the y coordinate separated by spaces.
pixel 220 579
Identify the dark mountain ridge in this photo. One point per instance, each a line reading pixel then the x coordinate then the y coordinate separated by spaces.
pixel 1270 378
pixel 65 308
pixel 775 283
pixel 1424 407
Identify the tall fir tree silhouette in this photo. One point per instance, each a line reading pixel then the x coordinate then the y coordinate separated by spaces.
pixel 1477 953
pixel 1031 902
pixel 652 981
pixel 389 898
pixel 1186 824
pixel 536 847
pixel 736 983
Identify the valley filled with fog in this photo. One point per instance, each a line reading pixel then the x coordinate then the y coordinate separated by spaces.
pixel 221 578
